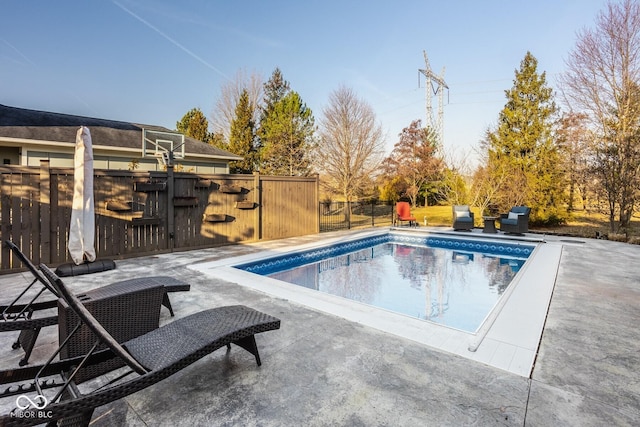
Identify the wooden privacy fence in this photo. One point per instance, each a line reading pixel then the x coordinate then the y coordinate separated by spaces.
pixel 141 213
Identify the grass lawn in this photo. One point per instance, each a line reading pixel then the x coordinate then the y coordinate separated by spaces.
pixel 582 223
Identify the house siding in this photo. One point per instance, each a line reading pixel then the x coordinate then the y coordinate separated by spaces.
pixel 65 160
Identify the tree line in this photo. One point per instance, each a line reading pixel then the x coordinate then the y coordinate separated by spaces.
pixel 271 127
pixel 585 155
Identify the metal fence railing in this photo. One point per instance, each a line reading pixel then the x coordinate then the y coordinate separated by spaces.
pixel 347 215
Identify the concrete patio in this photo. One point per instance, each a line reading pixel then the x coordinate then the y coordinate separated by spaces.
pixel 320 370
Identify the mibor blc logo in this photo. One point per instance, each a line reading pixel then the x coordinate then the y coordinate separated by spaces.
pixel 31 408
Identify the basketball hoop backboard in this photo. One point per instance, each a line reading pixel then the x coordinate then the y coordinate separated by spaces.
pixel 160 144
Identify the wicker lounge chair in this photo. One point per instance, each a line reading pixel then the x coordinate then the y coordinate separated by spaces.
pixel 463 218
pixel 29 315
pixel 403 214
pixel 516 221
pixel 150 358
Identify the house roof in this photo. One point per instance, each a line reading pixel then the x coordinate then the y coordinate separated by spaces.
pixel 36 125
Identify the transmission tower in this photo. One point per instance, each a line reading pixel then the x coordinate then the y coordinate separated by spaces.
pixel 437 85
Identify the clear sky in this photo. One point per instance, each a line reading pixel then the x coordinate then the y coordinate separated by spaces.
pixel 150 61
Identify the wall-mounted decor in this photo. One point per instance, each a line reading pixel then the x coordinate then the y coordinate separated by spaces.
pixel 230 189
pixel 149 186
pixel 245 204
pixel 217 218
pixel 203 183
pixel 119 206
pixel 139 222
pixel 185 201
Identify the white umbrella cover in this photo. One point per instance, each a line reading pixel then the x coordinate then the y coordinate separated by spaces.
pixel 82 227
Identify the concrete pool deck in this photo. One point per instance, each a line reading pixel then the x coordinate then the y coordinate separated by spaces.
pixel 320 369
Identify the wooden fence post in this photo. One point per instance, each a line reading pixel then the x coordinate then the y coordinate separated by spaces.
pixel 257 185
pixel 45 212
pixel 171 230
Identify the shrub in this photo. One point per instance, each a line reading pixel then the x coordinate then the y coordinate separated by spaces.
pixel 550 221
pixel 634 240
pixel 618 237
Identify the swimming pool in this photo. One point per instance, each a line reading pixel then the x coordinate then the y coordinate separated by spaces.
pixel 452 282
pixel 508 339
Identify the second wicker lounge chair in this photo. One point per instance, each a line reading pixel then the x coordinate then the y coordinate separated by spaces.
pixel 150 358
pixel 29 312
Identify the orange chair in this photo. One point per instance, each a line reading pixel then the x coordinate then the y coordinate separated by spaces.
pixel 403 213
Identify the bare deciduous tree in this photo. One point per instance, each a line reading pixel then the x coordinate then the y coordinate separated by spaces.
pixel 351 144
pixel 225 111
pixel 487 180
pixel 574 140
pixel 456 177
pixel 602 81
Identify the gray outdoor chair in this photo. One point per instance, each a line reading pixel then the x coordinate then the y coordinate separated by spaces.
pixel 463 218
pixel 516 221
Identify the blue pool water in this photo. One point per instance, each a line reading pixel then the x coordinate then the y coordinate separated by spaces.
pixel 448 281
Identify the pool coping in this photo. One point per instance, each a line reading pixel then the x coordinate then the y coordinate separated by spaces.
pixel 510 342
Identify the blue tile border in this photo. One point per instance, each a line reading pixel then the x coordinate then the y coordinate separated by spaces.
pixel 287 261
pixel 494 248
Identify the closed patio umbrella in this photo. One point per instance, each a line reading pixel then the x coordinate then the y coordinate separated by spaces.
pixel 82 227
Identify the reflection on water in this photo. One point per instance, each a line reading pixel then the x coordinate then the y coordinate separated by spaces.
pixel 453 288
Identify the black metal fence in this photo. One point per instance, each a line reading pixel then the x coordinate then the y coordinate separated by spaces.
pixel 346 215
